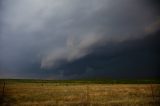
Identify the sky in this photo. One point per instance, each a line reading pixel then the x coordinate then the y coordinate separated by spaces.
pixel 75 39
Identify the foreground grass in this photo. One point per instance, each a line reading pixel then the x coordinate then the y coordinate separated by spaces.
pixel 81 94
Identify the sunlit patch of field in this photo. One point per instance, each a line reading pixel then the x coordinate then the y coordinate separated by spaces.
pixel 62 94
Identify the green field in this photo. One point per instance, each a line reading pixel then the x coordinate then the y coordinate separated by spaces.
pixel 80 93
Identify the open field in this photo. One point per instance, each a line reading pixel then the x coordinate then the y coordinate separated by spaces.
pixel 48 93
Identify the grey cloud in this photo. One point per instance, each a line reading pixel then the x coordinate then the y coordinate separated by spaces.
pixel 137 58
pixel 155 26
pixel 53 33
pixel 98 26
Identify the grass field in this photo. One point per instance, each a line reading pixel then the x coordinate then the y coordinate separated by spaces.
pixel 77 93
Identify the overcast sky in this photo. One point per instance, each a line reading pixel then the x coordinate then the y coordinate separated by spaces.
pixel 65 39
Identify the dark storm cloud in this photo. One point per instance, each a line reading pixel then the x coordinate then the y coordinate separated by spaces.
pixel 55 38
pixel 137 58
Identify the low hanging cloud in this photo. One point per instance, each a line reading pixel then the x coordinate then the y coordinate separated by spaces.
pixel 51 33
pixel 77 48
pixel 124 25
pixel 154 27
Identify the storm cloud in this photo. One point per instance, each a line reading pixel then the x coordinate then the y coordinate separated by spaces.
pixel 62 38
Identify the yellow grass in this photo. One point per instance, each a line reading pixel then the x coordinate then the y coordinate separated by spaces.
pixel 51 94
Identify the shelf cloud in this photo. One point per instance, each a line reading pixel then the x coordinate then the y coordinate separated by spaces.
pixel 41 38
